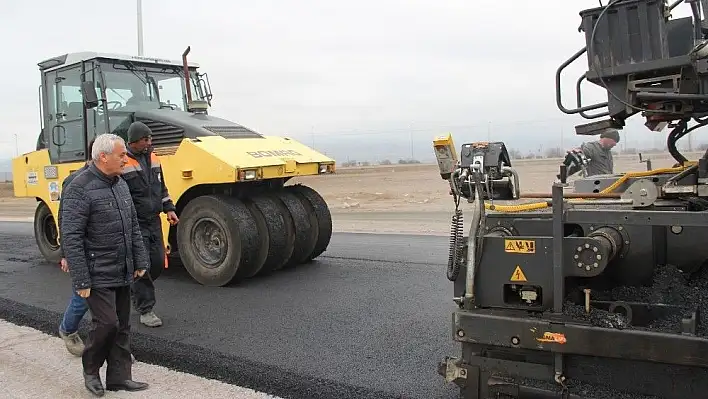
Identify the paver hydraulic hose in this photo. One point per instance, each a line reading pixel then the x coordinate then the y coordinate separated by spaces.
pixel 541 205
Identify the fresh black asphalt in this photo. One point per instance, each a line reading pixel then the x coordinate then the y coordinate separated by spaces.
pixel 369 319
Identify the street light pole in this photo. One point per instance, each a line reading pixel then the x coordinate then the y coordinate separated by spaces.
pixel 140 28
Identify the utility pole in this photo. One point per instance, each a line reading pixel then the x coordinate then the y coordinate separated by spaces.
pixel 17 146
pixel 140 28
pixel 410 135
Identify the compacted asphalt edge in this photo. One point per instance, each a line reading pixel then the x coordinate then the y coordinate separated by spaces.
pixel 202 362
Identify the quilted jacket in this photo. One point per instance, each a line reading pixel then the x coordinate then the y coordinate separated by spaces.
pixel 99 231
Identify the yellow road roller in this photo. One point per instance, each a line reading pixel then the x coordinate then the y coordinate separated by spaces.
pixel 238 217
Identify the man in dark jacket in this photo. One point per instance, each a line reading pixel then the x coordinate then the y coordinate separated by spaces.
pixel 104 249
pixel 75 311
pixel 77 307
pixel 143 173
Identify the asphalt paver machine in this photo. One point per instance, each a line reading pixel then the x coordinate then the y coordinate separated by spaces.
pixel 600 289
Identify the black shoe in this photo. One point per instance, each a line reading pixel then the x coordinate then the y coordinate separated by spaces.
pixel 93 384
pixel 127 385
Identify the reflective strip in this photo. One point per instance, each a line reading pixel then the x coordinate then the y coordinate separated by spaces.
pixel 132 165
pixel 166 199
pixel 155 166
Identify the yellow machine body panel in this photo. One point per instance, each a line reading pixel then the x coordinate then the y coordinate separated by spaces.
pixel 214 160
pixel 35 176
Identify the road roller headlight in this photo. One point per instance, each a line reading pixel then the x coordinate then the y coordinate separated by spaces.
pixel 248 174
pixel 326 168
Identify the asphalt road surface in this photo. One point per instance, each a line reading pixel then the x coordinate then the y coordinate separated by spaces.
pixel 370 318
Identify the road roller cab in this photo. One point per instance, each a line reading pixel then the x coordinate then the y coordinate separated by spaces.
pixel 238 217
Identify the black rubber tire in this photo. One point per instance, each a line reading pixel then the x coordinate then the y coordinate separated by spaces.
pixel 280 230
pixel 263 240
pixel 322 213
pixel 46 233
pixel 306 229
pixel 239 237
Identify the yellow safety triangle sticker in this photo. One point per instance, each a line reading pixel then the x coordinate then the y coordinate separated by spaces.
pixel 518 275
pixel 520 246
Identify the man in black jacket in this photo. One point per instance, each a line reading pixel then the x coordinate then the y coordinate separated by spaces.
pixel 77 308
pixel 143 173
pixel 104 249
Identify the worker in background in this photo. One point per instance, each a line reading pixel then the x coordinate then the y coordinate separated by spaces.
pixel 138 95
pixel 599 153
pixel 143 173
pixel 99 227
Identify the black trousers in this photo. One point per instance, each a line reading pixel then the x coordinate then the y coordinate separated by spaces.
pixel 143 288
pixel 109 336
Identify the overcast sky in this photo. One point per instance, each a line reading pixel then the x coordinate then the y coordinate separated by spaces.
pixel 311 68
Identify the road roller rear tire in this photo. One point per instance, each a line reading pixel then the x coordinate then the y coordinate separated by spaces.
pixel 46 234
pixel 280 230
pixel 317 204
pixel 306 227
pixel 262 240
pixel 218 239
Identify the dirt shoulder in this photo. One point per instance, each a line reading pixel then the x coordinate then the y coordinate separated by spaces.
pixel 390 199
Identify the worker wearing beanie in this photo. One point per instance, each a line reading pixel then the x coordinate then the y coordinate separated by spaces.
pixel 143 174
pixel 600 153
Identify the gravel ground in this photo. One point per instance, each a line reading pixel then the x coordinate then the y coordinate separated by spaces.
pixel 670 287
pixel 596 317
